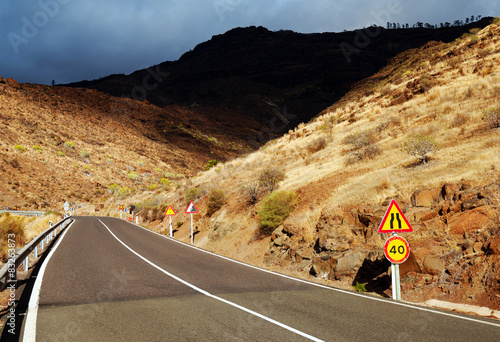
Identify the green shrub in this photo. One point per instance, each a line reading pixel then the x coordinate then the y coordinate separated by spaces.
pixel 270 177
pixel 216 199
pixel 193 194
pixel 180 175
pixel 211 164
pixel 85 154
pixel 152 186
pixel 113 188
pixel 359 139
pixel 124 191
pixel 159 171
pixel 360 287
pixel 37 148
pixel 426 82
pixel 20 148
pixel 132 175
pixel 165 181
pixel 492 117
pixel 179 224
pixel 169 175
pixel 317 145
pixel 70 145
pixel 420 146
pixel 252 192
pixel 86 167
pixel 60 153
pixel 276 207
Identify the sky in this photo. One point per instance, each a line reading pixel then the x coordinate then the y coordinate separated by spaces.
pixel 73 40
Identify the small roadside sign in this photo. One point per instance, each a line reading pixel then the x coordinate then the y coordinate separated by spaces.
pixel 396 249
pixel 121 207
pixel 394 221
pixel 191 209
pixel 66 206
pixel 170 211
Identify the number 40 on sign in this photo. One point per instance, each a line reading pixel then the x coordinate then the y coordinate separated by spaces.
pixel 396 249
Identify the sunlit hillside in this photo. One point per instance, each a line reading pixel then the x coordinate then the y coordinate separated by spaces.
pixel 345 166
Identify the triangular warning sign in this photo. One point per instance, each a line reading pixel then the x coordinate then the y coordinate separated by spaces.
pixel 191 209
pixel 170 211
pixel 394 220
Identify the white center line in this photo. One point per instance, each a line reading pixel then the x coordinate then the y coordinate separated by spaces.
pixel 270 320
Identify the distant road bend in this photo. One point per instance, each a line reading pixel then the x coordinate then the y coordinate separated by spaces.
pixel 110 280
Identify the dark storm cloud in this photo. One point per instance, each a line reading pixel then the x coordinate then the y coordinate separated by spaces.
pixel 71 40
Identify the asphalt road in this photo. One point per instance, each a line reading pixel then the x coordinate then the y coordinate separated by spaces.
pixel 109 280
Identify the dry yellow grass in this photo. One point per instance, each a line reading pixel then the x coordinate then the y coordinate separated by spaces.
pixel 451 112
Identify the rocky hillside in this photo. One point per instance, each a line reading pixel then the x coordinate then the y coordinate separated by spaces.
pixel 336 175
pixel 59 144
pixel 257 73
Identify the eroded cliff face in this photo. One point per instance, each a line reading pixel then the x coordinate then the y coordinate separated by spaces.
pixel 455 245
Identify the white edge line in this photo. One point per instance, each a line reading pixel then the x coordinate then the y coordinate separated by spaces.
pixel 208 294
pixel 404 304
pixel 29 333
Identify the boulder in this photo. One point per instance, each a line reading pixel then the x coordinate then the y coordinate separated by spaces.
pixel 478 247
pixel 472 220
pixel 349 263
pixel 13 83
pixel 433 265
pixel 493 244
pixel 448 191
pixel 430 215
pixel 426 198
pixel 410 265
pixel 323 267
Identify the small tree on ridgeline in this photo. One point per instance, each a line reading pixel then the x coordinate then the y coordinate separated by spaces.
pixel 420 146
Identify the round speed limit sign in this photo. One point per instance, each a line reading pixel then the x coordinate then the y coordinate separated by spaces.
pixel 396 249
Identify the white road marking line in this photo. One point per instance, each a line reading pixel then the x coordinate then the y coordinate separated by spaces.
pixel 404 304
pixel 208 294
pixel 29 333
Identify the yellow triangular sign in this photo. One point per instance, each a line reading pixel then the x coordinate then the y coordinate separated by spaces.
pixel 394 220
pixel 170 211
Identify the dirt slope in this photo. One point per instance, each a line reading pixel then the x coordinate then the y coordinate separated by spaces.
pixel 441 91
pixel 59 144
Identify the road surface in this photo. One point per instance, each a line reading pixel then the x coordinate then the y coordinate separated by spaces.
pixel 109 280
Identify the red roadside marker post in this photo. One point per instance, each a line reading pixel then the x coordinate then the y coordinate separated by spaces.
pixel 396 248
pixel 191 209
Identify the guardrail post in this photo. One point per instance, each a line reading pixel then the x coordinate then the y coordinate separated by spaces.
pixel 47 239
pixel 41 245
pixel 35 252
pixel 26 264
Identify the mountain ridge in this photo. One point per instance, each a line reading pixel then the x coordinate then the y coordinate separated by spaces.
pixel 254 72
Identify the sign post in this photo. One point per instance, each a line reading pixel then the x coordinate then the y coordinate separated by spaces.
pixel 66 208
pixel 396 248
pixel 121 210
pixel 191 209
pixel 170 212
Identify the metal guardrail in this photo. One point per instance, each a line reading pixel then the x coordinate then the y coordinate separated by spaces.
pixel 8 273
pixel 23 213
